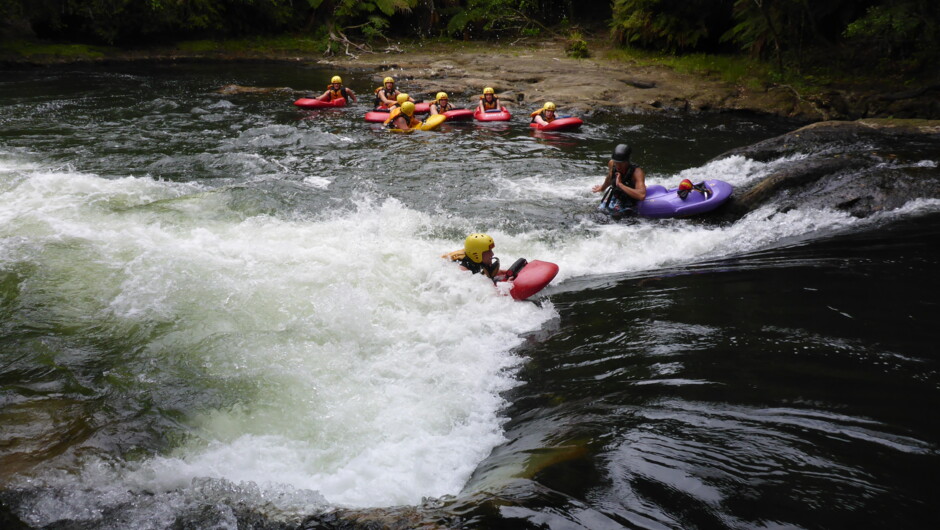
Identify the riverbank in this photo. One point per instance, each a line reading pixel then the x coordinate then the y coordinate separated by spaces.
pixel 528 72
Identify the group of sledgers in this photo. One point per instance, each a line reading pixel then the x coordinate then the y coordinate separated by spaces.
pixel 624 186
pixel 402 115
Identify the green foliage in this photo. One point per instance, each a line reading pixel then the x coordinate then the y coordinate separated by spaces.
pixel 576 47
pixel 898 28
pixel 63 51
pixel 766 27
pixel 668 25
pixel 111 21
pixel 260 45
pixel 734 69
pixel 794 33
pixel 369 17
pixel 495 18
pixel 9 8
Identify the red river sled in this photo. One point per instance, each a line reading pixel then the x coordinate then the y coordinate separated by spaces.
pixel 377 115
pixel 313 103
pixel 500 114
pixel 459 115
pixel 560 124
pixel 380 114
pixel 532 279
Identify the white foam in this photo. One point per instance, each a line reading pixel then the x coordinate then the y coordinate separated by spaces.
pixel 355 363
pixel 358 363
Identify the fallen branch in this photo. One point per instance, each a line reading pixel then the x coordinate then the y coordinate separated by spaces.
pixel 338 37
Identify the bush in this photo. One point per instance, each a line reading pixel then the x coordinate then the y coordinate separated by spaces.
pixel 670 25
pixel 577 47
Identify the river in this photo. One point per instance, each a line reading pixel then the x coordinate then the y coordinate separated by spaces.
pixel 222 311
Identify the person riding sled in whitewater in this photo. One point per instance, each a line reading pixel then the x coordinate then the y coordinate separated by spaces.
pixel 544 115
pixel 336 90
pixel 489 100
pixel 441 104
pixel 476 256
pixel 403 118
pixel 385 95
pixel 626 182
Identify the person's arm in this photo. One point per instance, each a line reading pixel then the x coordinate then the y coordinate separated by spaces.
pixel 607 180
pixel 638 192
pixel 352 95
pixel 324 96
pixel 540 120
pixel 433 109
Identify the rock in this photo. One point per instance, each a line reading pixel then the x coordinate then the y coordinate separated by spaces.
pixel 861 167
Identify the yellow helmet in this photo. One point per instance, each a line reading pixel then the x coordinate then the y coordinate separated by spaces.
pixel 440 96
pixel 549 106
pixel 408 109
pixel 388 80
pixel 488 90
pixel 336 79
pixel 476 244
pixel 401 98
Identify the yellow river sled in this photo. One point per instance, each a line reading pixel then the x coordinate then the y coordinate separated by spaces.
pixel 433 122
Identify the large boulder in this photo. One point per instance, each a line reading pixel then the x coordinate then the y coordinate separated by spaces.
pixel 861 167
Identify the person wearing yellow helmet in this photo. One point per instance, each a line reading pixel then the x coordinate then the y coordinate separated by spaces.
pixel 544 115
pixel 336 90
pixel 489 100
pixel 626 182
pixel 403 118
pixel 399 99
pixel 441 104
pixel 386 94
pixel 476 256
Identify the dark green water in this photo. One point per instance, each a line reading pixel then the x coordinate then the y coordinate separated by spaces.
pixel 221 311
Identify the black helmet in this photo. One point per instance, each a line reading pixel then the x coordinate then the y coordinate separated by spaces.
pixel 622 153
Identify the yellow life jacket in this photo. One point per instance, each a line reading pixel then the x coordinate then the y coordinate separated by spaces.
pixel 388 96
pixel 456 255
pixel 542 112
pixel 390 122
pixel 336 94
pixel 490 106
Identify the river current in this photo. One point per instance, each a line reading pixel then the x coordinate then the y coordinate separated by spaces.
pixel 222 311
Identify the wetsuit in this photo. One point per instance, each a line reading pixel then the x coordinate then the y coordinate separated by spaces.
pixel 616 200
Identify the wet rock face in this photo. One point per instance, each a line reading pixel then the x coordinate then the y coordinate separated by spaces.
pixel 858 167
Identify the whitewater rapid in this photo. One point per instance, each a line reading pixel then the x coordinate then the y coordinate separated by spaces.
pixel 321 360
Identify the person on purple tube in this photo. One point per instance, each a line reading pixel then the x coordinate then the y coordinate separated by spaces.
pixel 626 182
